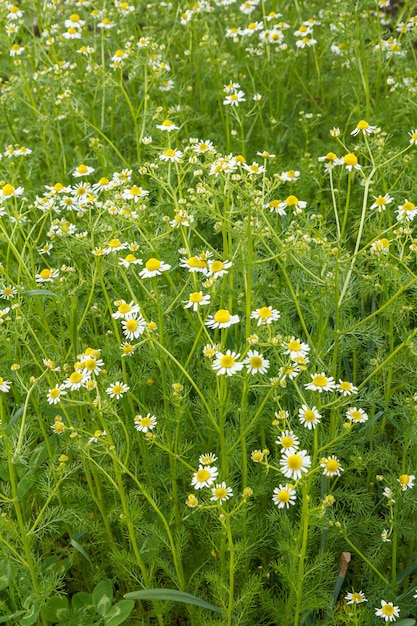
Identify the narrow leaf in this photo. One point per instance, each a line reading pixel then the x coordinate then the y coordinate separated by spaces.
pixel 25 484
pixel 79 549
pixel 173 595
pixel 39 292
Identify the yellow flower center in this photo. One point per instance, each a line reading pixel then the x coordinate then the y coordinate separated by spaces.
pixel 350 159
pixel 54 393
pixel 117 389
pixel 103 181
pixel 303 29
pixel 408 206
pixel 8 190
pixel 356 597
pixel 320 380
pixel 220 493
pixel 257 456
pixel 255 362
pixel 119 53
pixel 196 262
pixel 90 364
pixel 153 264
pixel 130 258
pixel 196 297
pixel 362 125
pixel 135 191
pixel 76 377
pixel 124 308
pixel 404 479
pixel 7 291
pixel 331 156
pixel 115 243
pixel 216 266
pixel 127 349
pixel 287 442
pixel 202 475
pixel 283 496
pixel 227 361
pixel 356 416
pixel 131 325
pixel 170 152
pixel 291 201
pixel 294 462
pixel 332 465
pixel 45 274
pixel 264 313
pixel 167 123
pixel 387 609
pixel 309 415
pixel 380 201
pixel 222 316
pixel 59 427
pixel 294 345
pixel 146 421
pixel 106 21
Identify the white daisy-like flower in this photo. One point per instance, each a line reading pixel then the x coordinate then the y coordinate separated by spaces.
pixel 406 211
pixel 133 327
pixel 296 348
pixel 117 389
pixel 134 193
pixel 8 191
pixel 97 435
pixel 207 458
pixel 129 260
pixel 309 418
pixel 227 363
pixel 114 246
pixel 221 493
pixel 91 365
pixel 331 466
pixel 357 416
pixel 321 382
pixel 82 170
pixel 167 126
pixel 4 385
pixel 218 268
pixel 388 611
pixel 145 423
pixel 355 597
pixel 363 127
pixel 413 137
pixel 172 155
pixel 254 169
pixel 265 315
pixel 288 441
pixel 350 161
pixel 204 146
pixel 288 371
pixel 235 98
pixel 346 388
pixel 194 264
pixel 406 481
pixel 204 476
pixel 255 363
pixel 196 300
pixel 292 202
pixel 291 176
pixel 293 464
pixel 75 380
pixel 380 202
pixel 124 309
pixel 46 275
pixel 154 267
pixel 221 319
pixel 283 496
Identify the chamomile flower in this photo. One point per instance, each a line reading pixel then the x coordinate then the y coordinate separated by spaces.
pixel 406 481
pixel 133 327
pixel 75 381
pixel 235 98
pixel 331 466
pixel 129 260
pixel 288 441
pixel 309 418
pixel 283 496
pixel 346 388
pixel 191 501
pixel 321 382
pixel 254 169
pixel 167 126
pixel 204 476
pixel 207 459
pixel 265 315
pixel 293 464
pixel 218 268
pixel 406 211
pixel 196 300
pixel 257 456
pixel 145 423
pixel 204 146
pixel 4 385
pixel 380 246
pixel 291 176
pixel 154 267
pixel 135 193
pixel 381 202
pixel 97 435
pixel 275 206
pixel 117 389
pixel 357 416
pixel 355 597
pixel 363 127
pixel 294 203
pixel 171 154
pixel 388 611
pixel 221 493
pixel 296 348
pixel 331 160
pixel 54 394
pixel 82 170
pixel 350 161
pixel 255 363
pixel 8 191
pixel 227 363
pixel 413 137
pixel 306 42
pixel 222 319
pixel 46 275
pixel 91 364
pixel 125 310
pixel 8 292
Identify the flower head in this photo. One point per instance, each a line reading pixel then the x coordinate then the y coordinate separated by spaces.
pixel 309 418
pixel 221 493
pixel 331 466
pixel 255 363
pixel 227 363
pixel 358 416
pixel 146 423
pixel 321 382
pixel 265 315
pixel 283 496
pixel 4 385
pixel 116 390
pixel 355 597
pixel 154 267
pixel 363 127
pixel 293 464
pixel 388 611
pixel 221 319
pixel 288 441
pixel 406 481
pixel 204 476
pixel 346 388
pixel 196 299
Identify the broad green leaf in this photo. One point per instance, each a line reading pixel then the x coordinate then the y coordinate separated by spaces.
pixel 31 615
pixel 57 609
pixel 119 612
pixel 40 453
pixel 103 596
pixel 406 622
pixel 25 484
pixel 8 618
pixel 173 595
pixel 39 292
pixel 82 600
